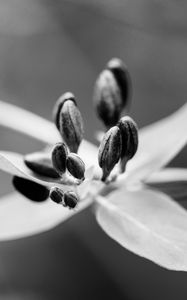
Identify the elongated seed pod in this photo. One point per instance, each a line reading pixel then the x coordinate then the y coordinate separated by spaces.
pixel 112 92
pixel 56 194
pixel 110 151
pixel 71 125
pixel 75 166
pixel 70 199
pixel 59 157
pixel 30 189
pixel 41 164
pixel 129 134
pixel 58 106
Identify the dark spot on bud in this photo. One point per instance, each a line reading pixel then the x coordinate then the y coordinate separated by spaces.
pixel 30 189
pixel 122 76
pixel 110 151
pixel 41 164
pixel 71 125
pixel 75 166
pixel 56 195
pixel 59 156
pixel 58 106
pixel 70 199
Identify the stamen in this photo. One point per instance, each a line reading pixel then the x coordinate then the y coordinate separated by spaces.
pixel 59 156
pixel 70 199
pixel 110 151
pixel 56 195
pixel 76 166
pixel 129 134
pixel 112 92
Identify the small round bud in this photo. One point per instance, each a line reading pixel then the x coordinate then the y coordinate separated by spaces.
pixel 70 199
pixel 71 125
pixel 110 151
pixel 41 164
pixel 58 106
pixel 59 156
pixel 112 92
pixel 129 135
pixel 75 166
pixel 122 76
pixel 30 189
pixel 56 194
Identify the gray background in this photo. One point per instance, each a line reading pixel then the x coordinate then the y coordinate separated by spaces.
pixel 47 48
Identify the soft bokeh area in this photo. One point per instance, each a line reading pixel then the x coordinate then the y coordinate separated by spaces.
pixel 49 47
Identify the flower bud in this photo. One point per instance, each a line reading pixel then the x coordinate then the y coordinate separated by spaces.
pixel 75 166
pixel 56 195
pixel 112 92
pixel 129 135
pixel 110 151
pixel 58 106
pixel 59 156
pixel 71 125
pixel 41 164
pixel 70 199
pixel 30 189
pixel 122 76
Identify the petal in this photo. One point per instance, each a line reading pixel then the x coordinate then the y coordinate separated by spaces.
pixel 20 217
pixel 43 130
pixel 168 175
pixel 159 143
pixel 147 223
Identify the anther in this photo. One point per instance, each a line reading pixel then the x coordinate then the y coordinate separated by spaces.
pixel 129 135
pixel 75 166
pixel 69 122
pixel 41 164
pixel 111 93
pixel 109 151
pixel 59 157
pixel 56 195
pixel 70 199
pixel 30 189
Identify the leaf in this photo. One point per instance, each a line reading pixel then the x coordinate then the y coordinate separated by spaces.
pixel 148 223
pixel 43 130
pixel 159 143
pixel 20 217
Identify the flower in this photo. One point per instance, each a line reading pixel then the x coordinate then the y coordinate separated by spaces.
pixel 130 209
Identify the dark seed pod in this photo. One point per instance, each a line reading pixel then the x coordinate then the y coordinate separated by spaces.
pixel 41 164
pixel 71 125
pixel 110 151
pixel 70 199
pixel 112 92
pixel 56 194
pixel 58 106
pixel 75 166
pixel 30 189
pixel 122 76
pixel 107 98
pixel 59 157
pixel 129 134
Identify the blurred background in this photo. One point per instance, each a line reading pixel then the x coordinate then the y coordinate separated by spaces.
pixel 49 47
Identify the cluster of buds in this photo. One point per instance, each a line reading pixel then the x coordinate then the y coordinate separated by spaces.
pixel 62 164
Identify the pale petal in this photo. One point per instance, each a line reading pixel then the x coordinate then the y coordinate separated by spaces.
pixel 43 130
pixel 147 223
pixel 159 143
pixel 20 217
